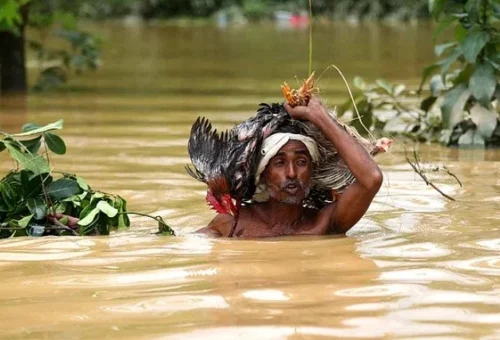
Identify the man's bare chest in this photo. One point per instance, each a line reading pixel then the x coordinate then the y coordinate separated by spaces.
pixel 250 227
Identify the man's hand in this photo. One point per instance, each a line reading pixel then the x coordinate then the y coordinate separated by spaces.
pixel 356 199
pixel 311 112
pixel 66 220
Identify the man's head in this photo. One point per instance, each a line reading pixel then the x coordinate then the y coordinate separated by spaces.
pixel 287 175
pixel 285 168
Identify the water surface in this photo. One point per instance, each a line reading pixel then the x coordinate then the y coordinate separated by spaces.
pixel 417 265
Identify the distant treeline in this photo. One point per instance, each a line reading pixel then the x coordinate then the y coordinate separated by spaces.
pixel 251 9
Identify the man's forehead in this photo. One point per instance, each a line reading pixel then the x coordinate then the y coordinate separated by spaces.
pixel 293 146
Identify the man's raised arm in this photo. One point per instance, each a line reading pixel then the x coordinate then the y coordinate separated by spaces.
pixel 356 199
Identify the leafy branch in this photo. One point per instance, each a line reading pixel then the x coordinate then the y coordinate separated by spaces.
pixel 36 201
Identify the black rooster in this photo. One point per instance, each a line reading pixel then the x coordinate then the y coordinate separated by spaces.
pixel 227 162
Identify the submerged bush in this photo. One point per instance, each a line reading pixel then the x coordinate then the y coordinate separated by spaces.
pixel 37 201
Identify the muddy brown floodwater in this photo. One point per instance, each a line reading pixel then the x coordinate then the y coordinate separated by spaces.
pixel 416 266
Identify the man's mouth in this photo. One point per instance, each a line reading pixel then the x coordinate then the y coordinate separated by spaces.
pixel 292 189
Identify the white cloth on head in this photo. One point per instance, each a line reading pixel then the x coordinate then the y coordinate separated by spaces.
pixel 270 148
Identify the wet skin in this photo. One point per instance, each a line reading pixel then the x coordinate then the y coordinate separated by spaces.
pixel 288 175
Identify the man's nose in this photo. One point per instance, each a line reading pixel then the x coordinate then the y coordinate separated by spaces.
pixel 291 171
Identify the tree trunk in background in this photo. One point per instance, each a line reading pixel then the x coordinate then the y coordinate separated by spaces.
pixel 12 67
pixel 13 82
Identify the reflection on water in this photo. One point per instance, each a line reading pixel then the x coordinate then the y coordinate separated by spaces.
pixel 417 265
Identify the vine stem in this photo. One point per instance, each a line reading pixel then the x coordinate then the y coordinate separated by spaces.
pixel 352 99
pixel 157 218
pixel 47 198
pixel 310 37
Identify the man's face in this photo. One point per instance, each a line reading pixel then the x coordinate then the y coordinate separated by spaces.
pixel 287 175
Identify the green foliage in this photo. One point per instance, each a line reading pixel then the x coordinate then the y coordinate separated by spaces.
pixel 10 15
pixel 36 201
pixel 49 17
pixel 389 108
pixel 82 51
pixel 32 197
pixel 461 107
pixel 468 93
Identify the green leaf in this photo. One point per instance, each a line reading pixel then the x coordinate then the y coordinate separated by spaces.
pixel 55 143
pixel 96 196
pixel 102 225
pixel 82 183
pixel 34 185
pixel 35 163
pixel 447 62
pixel 117 204
pixel 76 200
pixel 106 208
pixel 485 120
pixel 482 83
pixel 453 104
pixel 385 85
pixel 436 7
pixel 33 145
pixel 89 217
pixel 428 71
pixel 472 9
pixel 123 219
pixel 494 62
pixel 460 33
pixel 23 222
pixel 439 49
pixel 37 207
pixel 10 16
pixel 2 146
pixel 464 75
pixel 61 207
pixel 30 127
pixel 473 43
pixel 63 188
pixel 471 138
pixel 49 127
pixel 11 190
pixel 359 83
pixel 496 9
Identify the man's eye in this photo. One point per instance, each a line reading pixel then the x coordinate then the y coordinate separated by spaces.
pixel 302 162
pixel 279 162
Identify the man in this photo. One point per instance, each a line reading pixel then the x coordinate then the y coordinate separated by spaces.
pixel 286 177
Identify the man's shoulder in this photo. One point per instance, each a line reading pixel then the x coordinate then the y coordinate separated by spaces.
pixel 220 225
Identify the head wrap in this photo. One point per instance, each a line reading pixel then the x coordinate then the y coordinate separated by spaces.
pixel 270 148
